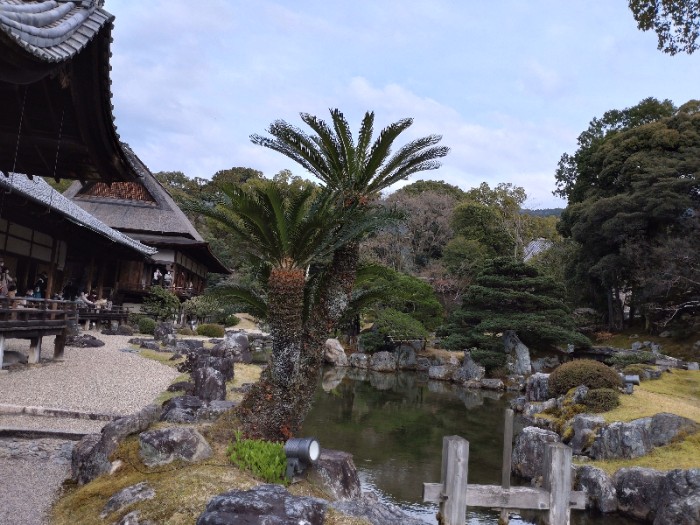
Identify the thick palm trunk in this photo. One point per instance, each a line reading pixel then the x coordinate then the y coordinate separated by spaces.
pixel 270 410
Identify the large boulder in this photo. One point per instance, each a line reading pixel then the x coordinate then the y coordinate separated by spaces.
pixel 599 488
pixel 162 330
pixel 336 473
pixel 470 370
pixel 529 449
pixel 209 384
pixel 359 360
pixel 384 362
pixel 537 387
pixel 376 512
pixel 90 456
pixel 334 353
pixel 263 505
pixel 182 409
pixel 406 357
pixel 679 501
pixel 638 491
pixel 442 372
pixel 638 437
pixel 518 355
pixel 237 345
pixel 162 446
pixel 584 427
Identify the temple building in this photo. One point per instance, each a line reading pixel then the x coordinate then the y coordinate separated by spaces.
pixel 56 122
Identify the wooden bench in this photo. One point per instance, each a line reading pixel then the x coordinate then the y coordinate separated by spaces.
pixel 28 318
pixel 119 314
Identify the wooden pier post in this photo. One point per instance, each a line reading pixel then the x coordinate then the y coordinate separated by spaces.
pixel 557 480
pixel 455 466
pixel 507 459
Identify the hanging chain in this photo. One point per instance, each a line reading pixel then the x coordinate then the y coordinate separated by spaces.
pixel 14 162
pixel 58 149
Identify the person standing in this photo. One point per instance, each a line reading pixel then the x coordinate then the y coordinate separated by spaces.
pixel 156 277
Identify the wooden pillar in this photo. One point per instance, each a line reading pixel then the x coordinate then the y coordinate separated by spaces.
pixel 455 470
pixel 2 352
pixel 507 458
pixel 34 350
pixel 557 480
pixel 59 345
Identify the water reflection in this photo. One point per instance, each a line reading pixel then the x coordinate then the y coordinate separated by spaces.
pixel 393 424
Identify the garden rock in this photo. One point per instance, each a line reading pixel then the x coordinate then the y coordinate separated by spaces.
pixel 151 345
pixel 442 372
pixel 529 449
pixel 422 364
pixel 543 364
pixel 209 384
pixel 124 329
pixel 579 394
pixel 679 501
pixel 638 437
pixel 638 491
pixel 537 387
pixel 211 411
pixel 692 366
pixel 163 329
pixel 191 344
pixel 234 345
pixel 181 409
pixel 336 473
pixel 158 447
pixel 84 341
pixel 470 369
pixel 134 518
pixel 90 456
pixel 584 427
pixel 170 340
pixel 263 505
pixel 518 354
pixel 125 497
pixel 182 386
pixel 218 358
pixel 599 488
pixel 406 359
pixel 384 362
pixel 374 511
pixel 492 384
pixel 334 353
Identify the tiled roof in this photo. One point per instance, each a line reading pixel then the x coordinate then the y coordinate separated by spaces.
pixel 53 31
pixel 40 191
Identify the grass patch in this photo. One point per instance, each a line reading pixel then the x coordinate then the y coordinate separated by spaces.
pixel 678 348
pixel 161 357
pixel 677 393
pixel 681 455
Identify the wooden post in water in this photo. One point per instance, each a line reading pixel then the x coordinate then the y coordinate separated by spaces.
pixel 455 468
pixel 557 480
pixel 507 458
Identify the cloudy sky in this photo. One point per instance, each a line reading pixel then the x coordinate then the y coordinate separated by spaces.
pixel 509 84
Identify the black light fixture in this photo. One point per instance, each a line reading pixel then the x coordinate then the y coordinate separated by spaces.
pixel 301 453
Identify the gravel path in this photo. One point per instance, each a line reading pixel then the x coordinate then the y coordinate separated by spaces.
pixel 100 380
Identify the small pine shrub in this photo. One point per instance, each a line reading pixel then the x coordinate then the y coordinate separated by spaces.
pixel 623 360
pixel 390 322
pixel 264 459
pixel 582 372
pixel 147 325
pixel 601 399
pixel 210 330
pixel 231 320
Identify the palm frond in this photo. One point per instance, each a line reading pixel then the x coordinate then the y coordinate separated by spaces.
pixel 256 303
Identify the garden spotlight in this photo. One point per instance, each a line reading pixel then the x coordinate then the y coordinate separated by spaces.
pixel 300 452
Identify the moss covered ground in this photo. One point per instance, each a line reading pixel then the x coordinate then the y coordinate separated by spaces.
pixel 678 347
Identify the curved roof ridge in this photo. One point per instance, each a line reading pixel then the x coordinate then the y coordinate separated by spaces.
pixel 51 30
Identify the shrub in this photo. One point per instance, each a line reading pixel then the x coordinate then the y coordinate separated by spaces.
pixel 186 331
pixel 161 303
pixel 631 359
pixel 390 322
pixel 210 330
pixel 231 320
pixel 147 325
pixel 264 459
pixel 601 399
pixel 582 372
pixel 488 359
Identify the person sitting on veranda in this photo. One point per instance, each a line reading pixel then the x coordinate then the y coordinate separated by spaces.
pixel 168 279
pixel 83 301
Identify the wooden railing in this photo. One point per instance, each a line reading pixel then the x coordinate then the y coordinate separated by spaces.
pixel 29 318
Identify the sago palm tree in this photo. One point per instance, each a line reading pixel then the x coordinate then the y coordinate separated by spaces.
pixel 356 172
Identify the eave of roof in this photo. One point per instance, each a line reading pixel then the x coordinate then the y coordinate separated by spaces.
pixel 38 190
pixel 199 250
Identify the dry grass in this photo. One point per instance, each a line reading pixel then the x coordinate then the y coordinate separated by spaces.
pixel 679 348
pixel 677 392
pixel 248 322
pixel 681 455
pixel 161 357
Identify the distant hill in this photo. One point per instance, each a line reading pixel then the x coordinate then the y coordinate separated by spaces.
pixel 547 212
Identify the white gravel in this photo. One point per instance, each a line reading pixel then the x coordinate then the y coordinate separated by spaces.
pixel 99 380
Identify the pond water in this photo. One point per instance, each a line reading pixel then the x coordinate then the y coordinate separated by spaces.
pixel 393 425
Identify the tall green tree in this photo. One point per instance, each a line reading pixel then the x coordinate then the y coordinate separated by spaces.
pixel 675 22
pixel 636 189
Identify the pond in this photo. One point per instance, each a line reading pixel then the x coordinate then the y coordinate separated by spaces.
pixel 393 425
